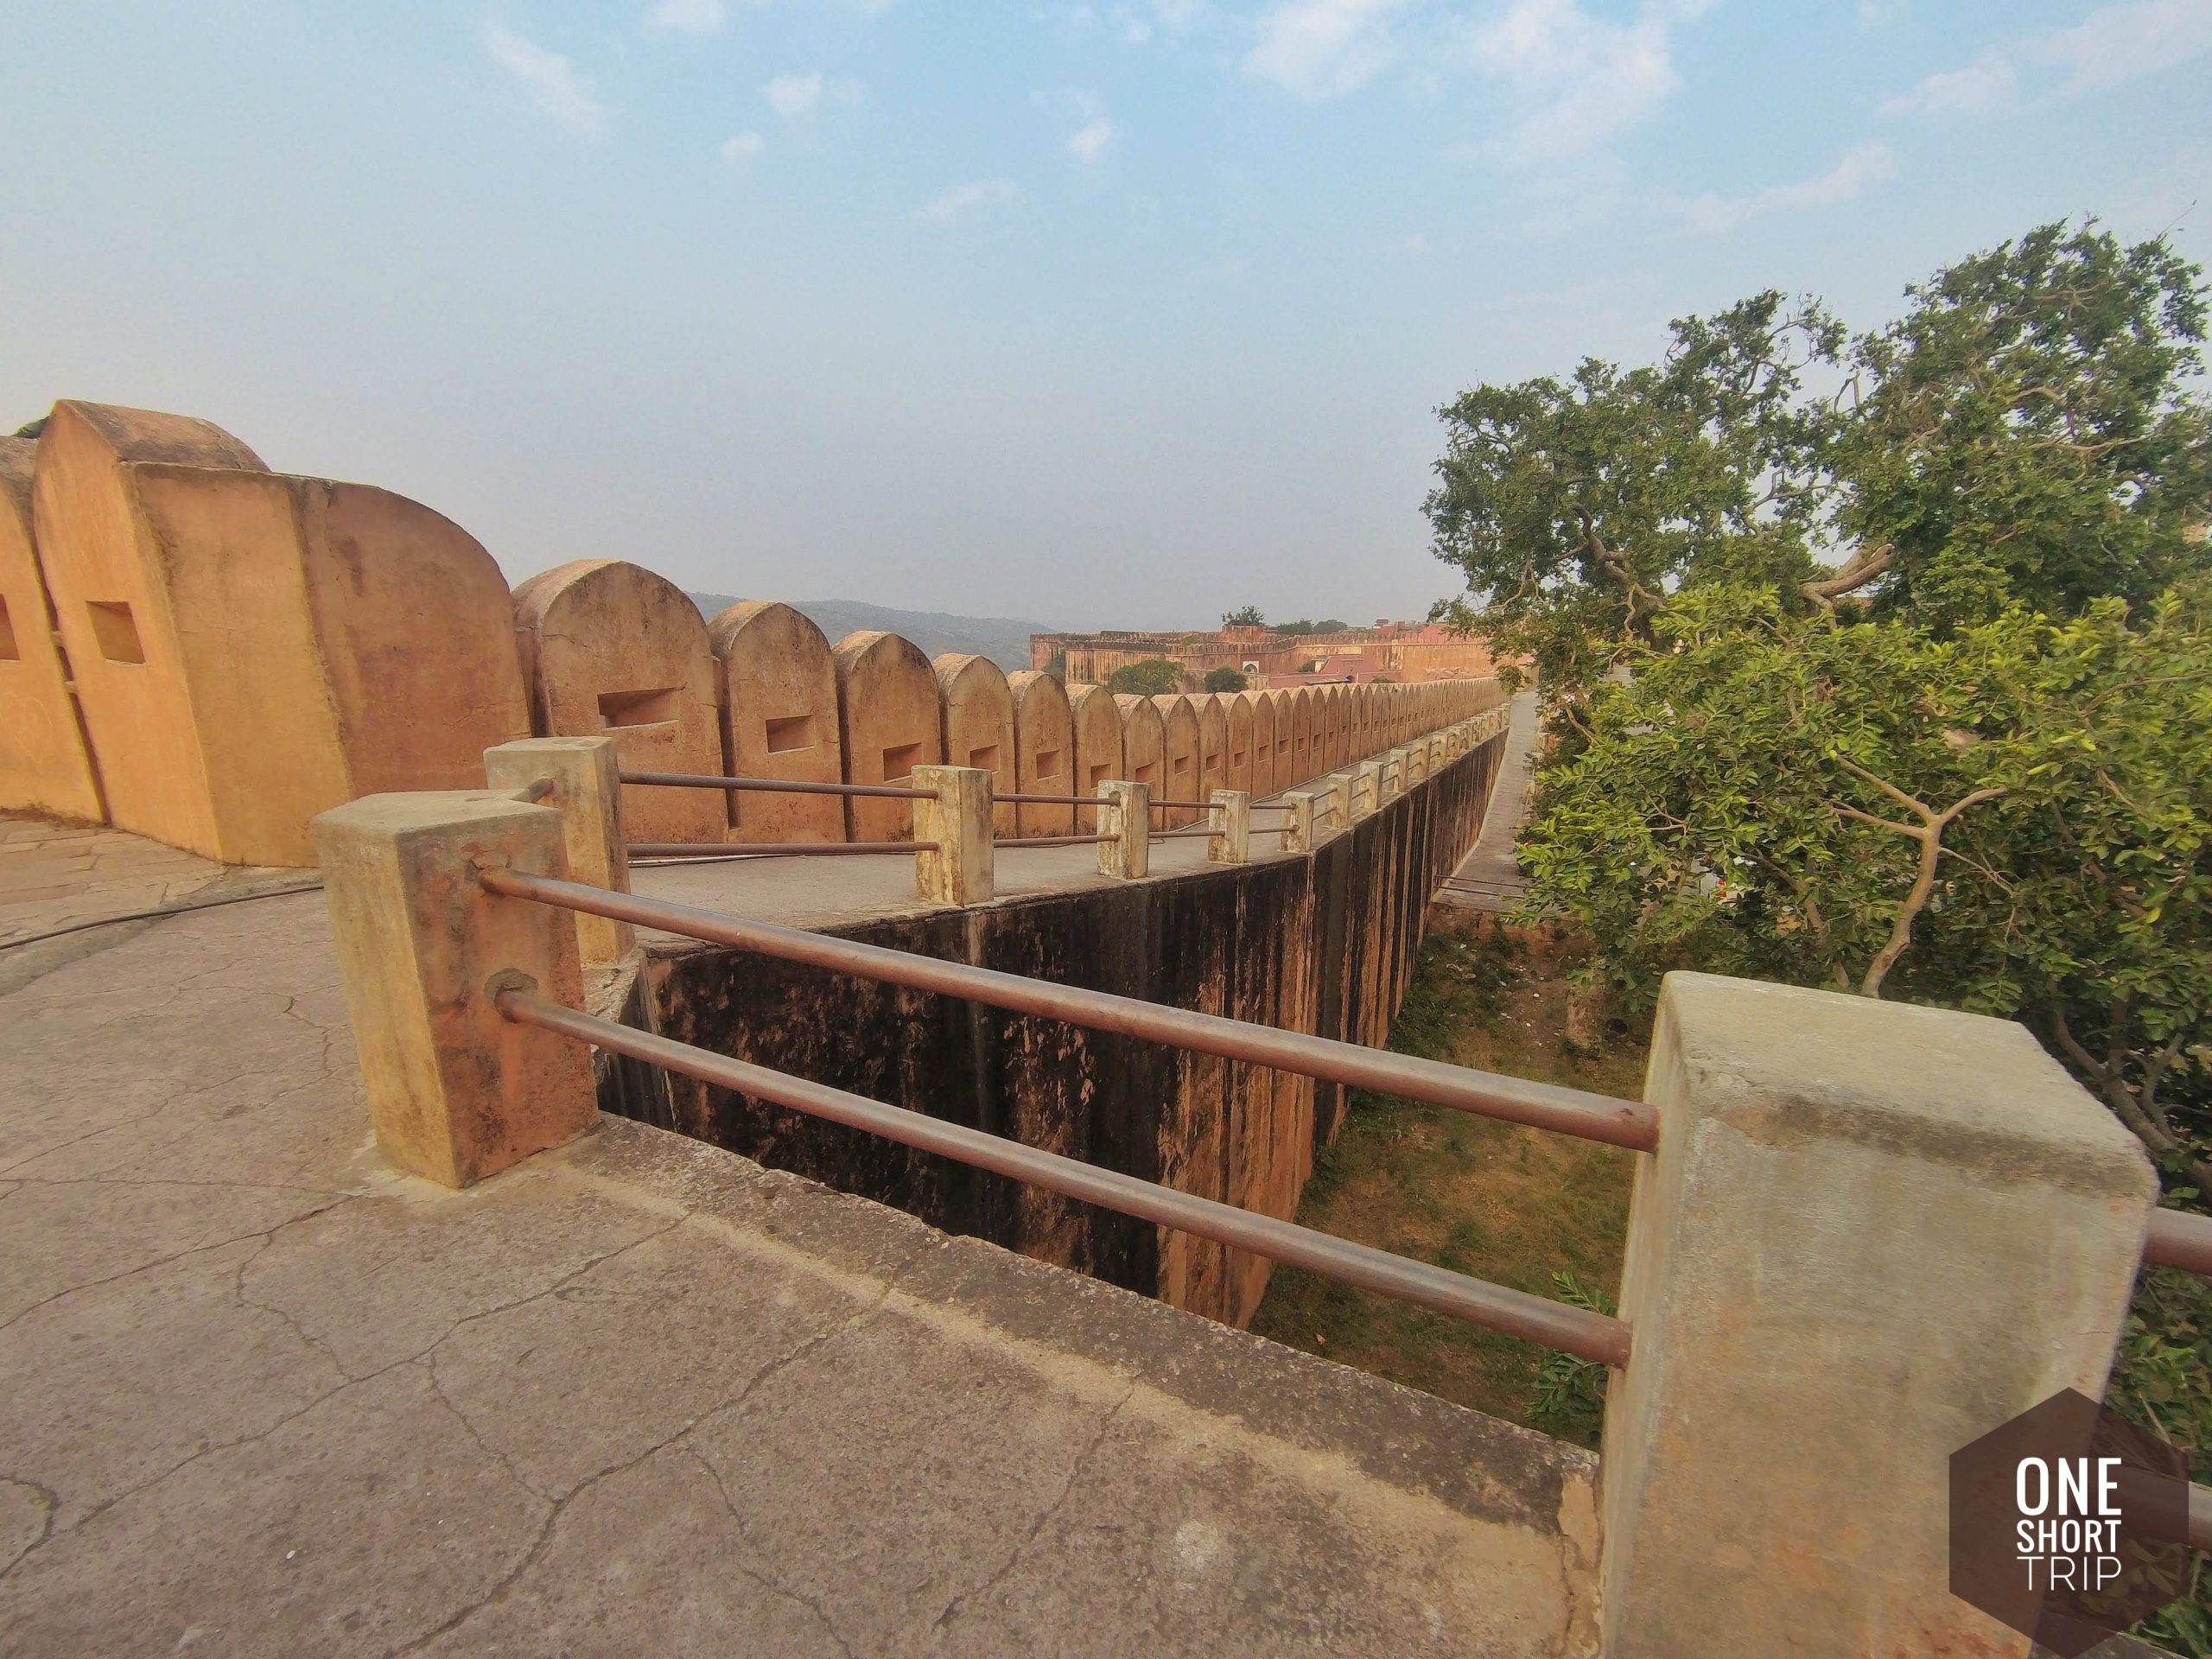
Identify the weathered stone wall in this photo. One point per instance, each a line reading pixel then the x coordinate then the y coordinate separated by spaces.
pixel 1044 737
pixel 778 689
pixel 1320 943
pixel 43 763
pixel 249 648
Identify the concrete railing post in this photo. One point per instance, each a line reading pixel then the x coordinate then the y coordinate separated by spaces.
pixel 1297 821
pixel 1231 819
pixel 958 869
pixel 586 778
pixel 1366 788
pixel 1336 799
pixel 456 1091
pixel 1125 819
pixel 1871 1233
pixel 1394 774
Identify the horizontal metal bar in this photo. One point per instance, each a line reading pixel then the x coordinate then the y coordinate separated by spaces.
pixel 1176 834
pixel 2178 1239
pixel 1572 1330
pixel 1541 1105
pixel 773 849
pixel 1027 799
pixel 775 785
pixel 1050 841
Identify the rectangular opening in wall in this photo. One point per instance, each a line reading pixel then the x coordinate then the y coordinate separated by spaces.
pixel 791 732
pixel 1182 768
pixel 899 761
pixel 1099 774
pixel 1213 760
pixel 1141 774
pixel 8 653
pixel 654 707
pixel 985 758
pixel 115 631
pixel 1047 763
pixel 1236 759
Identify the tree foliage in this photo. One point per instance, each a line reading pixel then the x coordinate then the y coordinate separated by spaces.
pixel 1245 616
pixel 1153 678
pixel 1226 679
pixel 1883 661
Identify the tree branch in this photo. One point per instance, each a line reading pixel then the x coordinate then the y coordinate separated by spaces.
pixel 1865 564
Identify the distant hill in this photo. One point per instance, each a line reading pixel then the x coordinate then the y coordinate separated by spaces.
pixel 1004 639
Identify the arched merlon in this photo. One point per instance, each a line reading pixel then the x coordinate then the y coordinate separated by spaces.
pixel 1322 942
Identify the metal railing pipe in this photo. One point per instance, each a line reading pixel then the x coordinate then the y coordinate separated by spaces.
pixel 2178 1239
pixel 1571 1330
pixel 772 848
pixel 773 786
pixel 1048 841
pixel 1541 1105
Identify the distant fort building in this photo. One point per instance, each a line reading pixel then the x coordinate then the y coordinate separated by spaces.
pixel 1405 652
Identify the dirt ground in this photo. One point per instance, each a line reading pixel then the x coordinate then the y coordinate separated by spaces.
pixel 1510 1204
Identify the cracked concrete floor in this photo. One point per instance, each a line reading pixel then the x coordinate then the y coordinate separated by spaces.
pixel 267 1396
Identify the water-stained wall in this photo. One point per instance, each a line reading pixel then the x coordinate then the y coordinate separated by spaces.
pixel 1320 943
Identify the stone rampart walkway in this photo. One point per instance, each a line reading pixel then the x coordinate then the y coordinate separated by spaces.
pixel 265 1396
pixel 1489 877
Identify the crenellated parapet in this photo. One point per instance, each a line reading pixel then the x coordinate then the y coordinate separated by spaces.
pixel 205 652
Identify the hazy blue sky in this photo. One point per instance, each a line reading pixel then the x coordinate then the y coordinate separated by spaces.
pixel 1110 313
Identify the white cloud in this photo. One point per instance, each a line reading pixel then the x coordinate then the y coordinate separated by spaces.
pixel 1863 166
pixel 1578 81
pixel 1983 86
pixel 2118 42
pixel 795 96
pixel 2114 43
pixel 740 150
pixel 1091 140
pixel 1323 49
pixel 563 91
pixel 798 97
pixel 965 203
pixel 683 16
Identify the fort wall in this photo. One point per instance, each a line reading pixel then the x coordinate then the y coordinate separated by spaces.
pixel 248 648
pixel 1321 941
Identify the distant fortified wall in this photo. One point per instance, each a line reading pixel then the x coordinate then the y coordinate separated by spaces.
pixel 1400 652
pixel 205 652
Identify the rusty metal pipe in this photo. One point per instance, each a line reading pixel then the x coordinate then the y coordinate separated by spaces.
pixel 704 781
pixel 1049 840
pixel 773 849
pixel 2178 1239
pixel 1485 1094
pixel 1092 800
pixel 1176 834
pixel 1572 1330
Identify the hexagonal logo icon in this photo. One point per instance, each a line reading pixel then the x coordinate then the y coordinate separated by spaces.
pixel 2066 1523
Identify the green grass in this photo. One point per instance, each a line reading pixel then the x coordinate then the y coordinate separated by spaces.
pixel 1514 1205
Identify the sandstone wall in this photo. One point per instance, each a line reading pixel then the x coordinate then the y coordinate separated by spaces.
pixel 43 762
pixel 779 692
pixel 249 648
pixel 976 706
pixel 1044 739
pixel 1321 943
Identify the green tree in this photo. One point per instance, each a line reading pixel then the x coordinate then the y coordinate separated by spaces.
pixel 1226 679
pixel 2022 435
pixel 1057 666
pixel 1245 616
pixel 1153 678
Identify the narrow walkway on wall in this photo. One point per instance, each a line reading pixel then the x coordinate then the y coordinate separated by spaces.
pixel 1489 878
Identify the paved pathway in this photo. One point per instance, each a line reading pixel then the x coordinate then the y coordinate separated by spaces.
pixel 1489 877
pixel 54 874
pixel 267 1396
